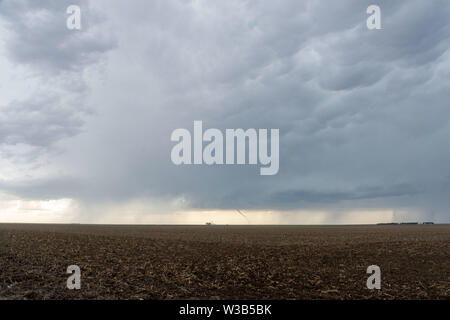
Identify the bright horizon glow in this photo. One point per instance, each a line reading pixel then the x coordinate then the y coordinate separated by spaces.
pixel 69 211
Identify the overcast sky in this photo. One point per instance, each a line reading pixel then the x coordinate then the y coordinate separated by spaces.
pixel 86 115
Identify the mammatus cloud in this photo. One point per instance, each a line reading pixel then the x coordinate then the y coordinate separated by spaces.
pixel 38 36
pixel 44 52
pixel 361 113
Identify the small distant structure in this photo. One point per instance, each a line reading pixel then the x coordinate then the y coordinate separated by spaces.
pixel 402 223
pixel 210 224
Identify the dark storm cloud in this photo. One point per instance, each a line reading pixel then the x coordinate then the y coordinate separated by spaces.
pixel 361 193
pixel 363 114
pixel 57 58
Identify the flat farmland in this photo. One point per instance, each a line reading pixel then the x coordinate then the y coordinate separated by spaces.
pixel 224 262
